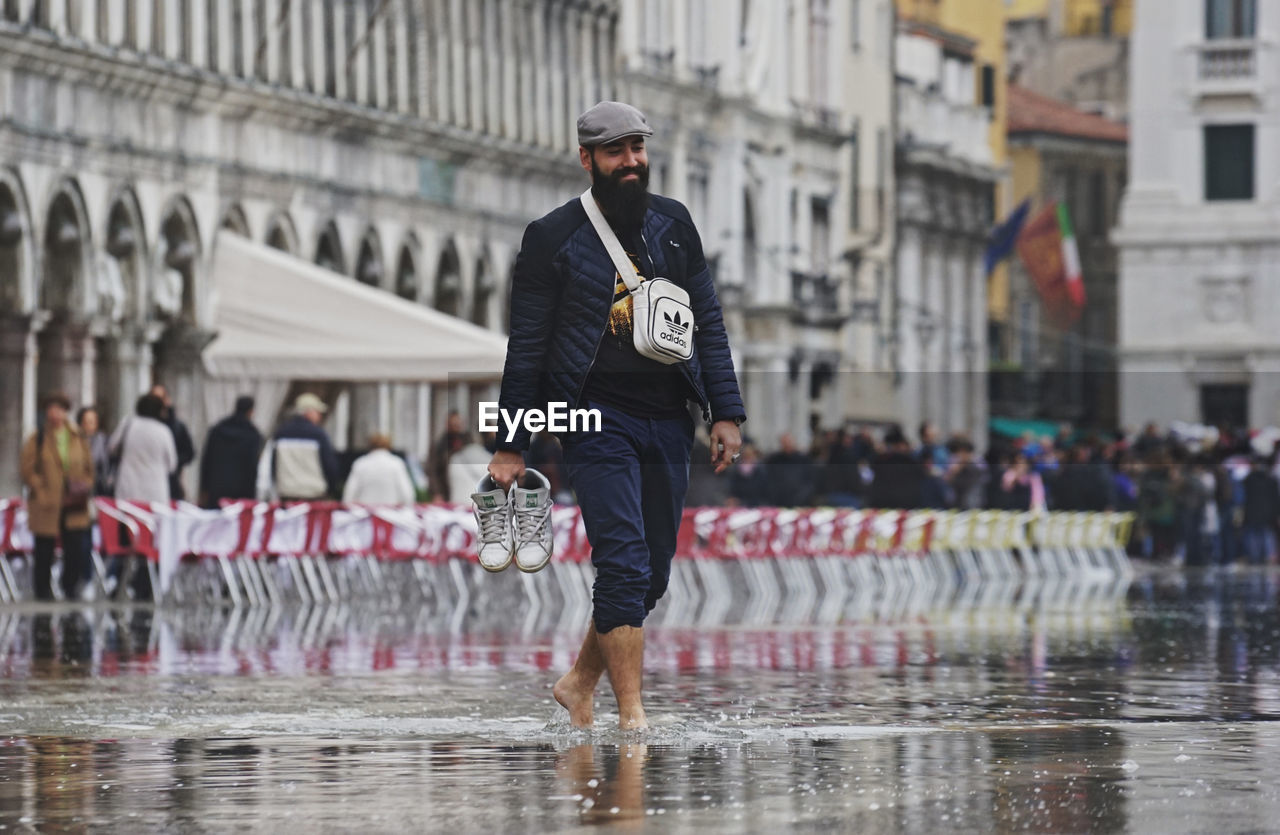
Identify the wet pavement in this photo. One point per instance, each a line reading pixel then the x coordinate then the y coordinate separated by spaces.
pixel 1152 709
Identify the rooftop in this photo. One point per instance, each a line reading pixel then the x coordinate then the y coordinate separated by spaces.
pixel 1031 112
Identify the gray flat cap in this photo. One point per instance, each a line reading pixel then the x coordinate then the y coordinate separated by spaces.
pixel 610 120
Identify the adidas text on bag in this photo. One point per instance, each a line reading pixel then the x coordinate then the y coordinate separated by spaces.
pixel 662 318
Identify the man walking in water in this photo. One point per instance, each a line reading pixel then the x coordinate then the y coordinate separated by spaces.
pixel 571 341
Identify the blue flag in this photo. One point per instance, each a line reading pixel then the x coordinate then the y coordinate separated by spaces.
pixel 1002 239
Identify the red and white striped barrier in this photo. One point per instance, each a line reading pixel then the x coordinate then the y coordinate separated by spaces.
pixel 264 550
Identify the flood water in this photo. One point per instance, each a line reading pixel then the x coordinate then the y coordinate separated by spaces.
pixel 1149 709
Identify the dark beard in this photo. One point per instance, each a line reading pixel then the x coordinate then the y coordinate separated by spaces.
pixel 624 204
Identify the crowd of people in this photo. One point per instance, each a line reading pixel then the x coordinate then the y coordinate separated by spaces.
pixel 67 462
pixel 1200 499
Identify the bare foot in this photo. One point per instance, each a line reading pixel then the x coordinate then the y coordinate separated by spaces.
pixel 633 719
pixel 577 698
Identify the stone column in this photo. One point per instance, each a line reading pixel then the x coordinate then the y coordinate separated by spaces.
pixel 16 349
pixel 340 51
pixel 558 47
pixel 510 73
pixel 67 355
pixel 171 31
pixel 422 68
pixel 359 52
pixel 271 20
pixel 127 363
pixel 438 65
pixel 58 16
pixel 476 81
pixel 779 390
pixel 490 38
pixel 573 64
pixel 142 31
pixel 198 26
pixel 225 59
pixel 457 69
pixel 179 368
pixel 248 40
pixel 798 420
pixel 89 20
pixel 677 26
pixel 319 60
pixel 401 31
pixel 297 47
pixel 541 79
pixel 377 41
pixel 516 73
pixel 366 413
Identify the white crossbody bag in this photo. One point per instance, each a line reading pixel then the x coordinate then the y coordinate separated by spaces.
pixel 662 321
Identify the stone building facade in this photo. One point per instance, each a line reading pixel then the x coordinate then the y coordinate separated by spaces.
pixel 404 143
pixel 1198 238
pixel 386 140
pixel 1073 50
pixel 759 122
pixel 946 190
pixel 1059 153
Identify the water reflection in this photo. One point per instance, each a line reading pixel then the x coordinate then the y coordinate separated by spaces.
pixel 1153 713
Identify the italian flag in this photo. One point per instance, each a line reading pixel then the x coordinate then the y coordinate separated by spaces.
pixel 1047 246
pixel 1070 257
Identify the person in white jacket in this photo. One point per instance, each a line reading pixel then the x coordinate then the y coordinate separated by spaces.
pixel 147 455
pixel 379 477
pixel 144 446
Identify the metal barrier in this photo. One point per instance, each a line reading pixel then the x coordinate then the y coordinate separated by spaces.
pixel 264 554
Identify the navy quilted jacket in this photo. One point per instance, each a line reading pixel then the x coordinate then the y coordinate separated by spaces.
pixel 560 297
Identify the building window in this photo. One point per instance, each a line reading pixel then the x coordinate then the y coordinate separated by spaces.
pixel 1225 404
pixel 699 189
pixel 882 163
pixel 1098 220
pixel 820 235
pixel 855 175
pixel 1228 162
pixel 819 23
pixel 1122 182
pixel 1230 18
pixel 989 86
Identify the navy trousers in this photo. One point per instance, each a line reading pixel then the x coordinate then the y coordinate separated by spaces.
pixel 630 479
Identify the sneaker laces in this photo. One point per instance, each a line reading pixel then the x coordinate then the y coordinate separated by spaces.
pixel 491 523
pixel 530 524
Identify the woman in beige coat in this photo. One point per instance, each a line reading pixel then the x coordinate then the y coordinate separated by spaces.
pixel 59 480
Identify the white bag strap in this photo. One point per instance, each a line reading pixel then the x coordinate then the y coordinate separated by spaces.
pixel 625 268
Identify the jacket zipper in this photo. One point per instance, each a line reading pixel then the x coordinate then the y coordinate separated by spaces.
pixel 578 400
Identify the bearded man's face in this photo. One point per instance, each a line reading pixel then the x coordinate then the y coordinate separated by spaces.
pixel 620 180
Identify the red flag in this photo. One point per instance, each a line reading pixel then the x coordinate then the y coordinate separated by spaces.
pixel 1047 247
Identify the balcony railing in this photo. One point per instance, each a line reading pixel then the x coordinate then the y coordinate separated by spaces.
pixel 1222 60
pixel 816 298
pixel 926 118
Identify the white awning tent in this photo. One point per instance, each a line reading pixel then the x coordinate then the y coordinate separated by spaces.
pixel 279 317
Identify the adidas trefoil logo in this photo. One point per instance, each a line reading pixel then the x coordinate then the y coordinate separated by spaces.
pixel 676 323
pixel 531 500
pixel 489 501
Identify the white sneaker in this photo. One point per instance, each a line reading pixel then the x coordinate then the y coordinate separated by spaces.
pixel 493 519
pixel 531 521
